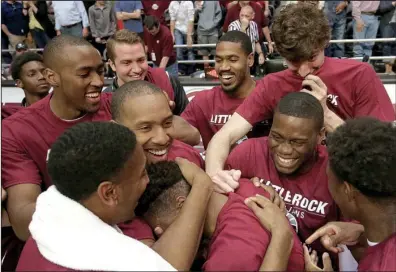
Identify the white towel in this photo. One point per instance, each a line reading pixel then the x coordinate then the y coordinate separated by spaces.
pixel 71 236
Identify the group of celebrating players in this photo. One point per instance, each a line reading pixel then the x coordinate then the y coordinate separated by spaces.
pixel 297 164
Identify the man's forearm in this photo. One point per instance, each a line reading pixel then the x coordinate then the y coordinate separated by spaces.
pixel 267 34
pixel 20 219
pixel 164 62
pixel 277 256
pixel 172 26
pixel 179 243
pixel 217 153
pixel 190 28
pixel 332 121
pixel 185 132
pixel 5 29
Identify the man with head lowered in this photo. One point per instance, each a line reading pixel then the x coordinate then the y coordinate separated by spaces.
pixel 238 238
pixel 346 88
pixel 74 69
pixel 211 109
pixel 28 72
pixel 98 171
pixel 293 161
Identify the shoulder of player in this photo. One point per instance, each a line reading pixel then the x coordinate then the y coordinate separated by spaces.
pixel 253 144
pixel 29 115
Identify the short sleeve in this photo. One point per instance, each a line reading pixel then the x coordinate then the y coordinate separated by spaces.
pixel 259 105
pixel 138 5
pixel 117 7
pixel 192 113
pixel 371 98
pixel 240 157
pixel 17 166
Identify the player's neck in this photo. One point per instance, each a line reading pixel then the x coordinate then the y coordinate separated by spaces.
pixel 30 99
pixel 62 109
pixel 246 88
pixel 379 222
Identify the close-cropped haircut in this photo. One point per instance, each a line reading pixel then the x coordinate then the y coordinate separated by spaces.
pixel 130 89
pixel 300 31
pixel 54 49
pixel 88 154
pixel 21 60
pixel 239 37
pixel 151 21
pixel 302 105
pixel 122 36
pixel 166 183
pixel 362 152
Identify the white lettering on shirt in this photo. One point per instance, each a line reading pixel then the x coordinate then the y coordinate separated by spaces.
pixel 299 201
pixel 332 98
pixel 219 119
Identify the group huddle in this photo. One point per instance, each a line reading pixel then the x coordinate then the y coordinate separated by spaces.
pixel 298 166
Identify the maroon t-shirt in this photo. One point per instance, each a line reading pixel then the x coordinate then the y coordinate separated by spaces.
pixel 182 150
pixel 239 242
pixel 306 196
pixel 158 77
pixel 156 8
pixel 381 257
pixel 259 18
pixel 137 229
pixel 161 45
pixel 354 90
pixel 8 109
pixel 27 137
pixel 210 109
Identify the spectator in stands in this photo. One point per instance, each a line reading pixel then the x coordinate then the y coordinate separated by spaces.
pixel 157 9
pixel 14 21
pixel 128 58
pixel 210 15
pixel 51 14
pixel 182 29
pixel 38 32
pixel 246 25
pixel 388 30
pixel 211 109
pixel 71 18
pixel 103 23
pixel 336 12
pixel 75 70
pixel 87 202
pixel 344 87
pixel 43 17
pixel 130 12
pixel 28 72
pixel 259 18
pixel 365 26
pixel 159 41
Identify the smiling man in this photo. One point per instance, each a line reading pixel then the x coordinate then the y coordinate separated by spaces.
pixel 293 161
pixel 348 88
pixel 211 109
pixel 75 70
pixel 28 72
pixel 143 108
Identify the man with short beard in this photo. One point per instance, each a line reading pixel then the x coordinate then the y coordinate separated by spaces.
pixel 211 109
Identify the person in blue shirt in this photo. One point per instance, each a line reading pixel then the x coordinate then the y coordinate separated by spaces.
pixel 130 13
pixel 14 22
pixel 336 14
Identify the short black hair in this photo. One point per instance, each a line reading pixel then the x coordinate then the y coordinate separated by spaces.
pixel 166 180
pixel 302 105
pixel 19 61
pixel 129 89
pixel 54 49
pixel 236 36
pixel 87 154
pixel 362 152
pixel 151 21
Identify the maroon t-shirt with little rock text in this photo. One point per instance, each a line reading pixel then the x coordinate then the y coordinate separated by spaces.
pixel 239 242
pixel 353 90
pixel 210 109
pixel 27 137
pixel 306 196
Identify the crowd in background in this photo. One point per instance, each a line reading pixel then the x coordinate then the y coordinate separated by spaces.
pixel 30 24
